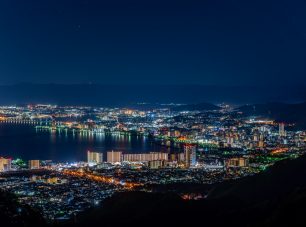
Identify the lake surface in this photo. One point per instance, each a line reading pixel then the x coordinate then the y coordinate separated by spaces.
pixel 26 142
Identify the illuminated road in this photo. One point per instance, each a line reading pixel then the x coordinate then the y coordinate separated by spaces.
pixel 103 179
pixel 279 151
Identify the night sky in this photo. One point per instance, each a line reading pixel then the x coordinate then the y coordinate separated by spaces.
pixel 207 42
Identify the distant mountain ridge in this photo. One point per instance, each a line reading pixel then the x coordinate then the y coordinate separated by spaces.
pixel 114 95
pixel 281 112
pixel 194 107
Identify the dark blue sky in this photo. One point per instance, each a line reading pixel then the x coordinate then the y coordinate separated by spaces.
pixel 153 42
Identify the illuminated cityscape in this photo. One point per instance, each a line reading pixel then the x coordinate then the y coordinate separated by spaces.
pixel 152 113
pixel 198 147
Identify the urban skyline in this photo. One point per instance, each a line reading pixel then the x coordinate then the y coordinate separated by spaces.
pixel 201 147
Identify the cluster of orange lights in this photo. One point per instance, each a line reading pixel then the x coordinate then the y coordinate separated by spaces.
pixel 103 179
pixel 279 151
pixel 3 118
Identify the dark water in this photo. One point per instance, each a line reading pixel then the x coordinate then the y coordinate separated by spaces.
pixel 24 141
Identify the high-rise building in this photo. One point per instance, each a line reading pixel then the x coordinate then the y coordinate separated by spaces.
pixel 34 164
pixel 281 129
pixel 190 156
pixel 5 164
pixel 173 157
pixel 230 141
pixel 114 156
pixel 261 144
pixel 181 157
pixel 94 157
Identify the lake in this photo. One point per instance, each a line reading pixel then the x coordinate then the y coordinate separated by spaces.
pixel 25 142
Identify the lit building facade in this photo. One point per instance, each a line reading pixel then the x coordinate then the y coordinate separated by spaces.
pixel 237 162
pixel 94 157
pixel 5 164
pixel 34 164
pixel 156 164
pixel 145 157
pixel 114 156
pixel 281 129
pixel 190 156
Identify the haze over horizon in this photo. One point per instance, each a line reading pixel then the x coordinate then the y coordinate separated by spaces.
pixel 118 95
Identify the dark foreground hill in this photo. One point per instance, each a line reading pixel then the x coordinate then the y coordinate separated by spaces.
pixel 281 112
pixel 13 214
pixel 276 197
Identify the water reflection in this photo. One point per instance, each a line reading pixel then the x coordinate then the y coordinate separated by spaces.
pixel 61 145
